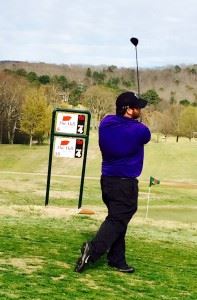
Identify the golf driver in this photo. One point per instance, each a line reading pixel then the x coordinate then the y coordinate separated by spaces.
pixel 134 41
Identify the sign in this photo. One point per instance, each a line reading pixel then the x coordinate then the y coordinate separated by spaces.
pixel 70 123
pixel 69 138
pixel 68 147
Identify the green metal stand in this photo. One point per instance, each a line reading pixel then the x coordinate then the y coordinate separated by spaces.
pixel 82 136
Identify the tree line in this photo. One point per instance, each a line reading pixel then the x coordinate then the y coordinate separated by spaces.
pixel 27 100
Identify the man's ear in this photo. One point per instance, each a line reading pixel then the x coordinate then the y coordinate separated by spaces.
pixel 130 111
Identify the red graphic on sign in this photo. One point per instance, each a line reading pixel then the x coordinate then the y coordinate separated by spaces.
pixel 79 142
pixel 66 118
pixel 64 142
pixel 81 117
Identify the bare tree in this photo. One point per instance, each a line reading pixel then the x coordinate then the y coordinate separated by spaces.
pixel 100 100
pixel 11 98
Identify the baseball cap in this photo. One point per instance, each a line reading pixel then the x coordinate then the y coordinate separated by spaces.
pixel 130 99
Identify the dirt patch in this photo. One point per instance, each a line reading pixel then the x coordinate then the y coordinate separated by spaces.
pixel 89 282
pixel 7 211
pixel 61 277
pixel 58 212
pixel 48 211
pixel 36 210
pixel 62 264
pixel 26 265
pixel 100 214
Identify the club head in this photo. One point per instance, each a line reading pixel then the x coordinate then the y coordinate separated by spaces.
pixel 134 41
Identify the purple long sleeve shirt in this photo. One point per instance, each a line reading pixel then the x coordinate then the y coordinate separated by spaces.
pixel 121 142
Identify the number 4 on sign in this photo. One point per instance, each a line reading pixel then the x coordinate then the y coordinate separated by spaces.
pixel 80 129
pixel 78 153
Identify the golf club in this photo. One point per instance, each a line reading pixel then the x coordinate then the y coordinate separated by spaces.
pixel 134 41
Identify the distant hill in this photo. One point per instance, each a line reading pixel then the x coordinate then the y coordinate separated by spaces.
pixel 171 82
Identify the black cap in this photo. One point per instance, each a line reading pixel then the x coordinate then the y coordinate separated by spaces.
pixel 130 99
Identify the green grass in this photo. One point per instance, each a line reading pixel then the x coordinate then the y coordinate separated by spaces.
pixel 38 256
pixel 39 246
pixel 168 161
pixel 171 161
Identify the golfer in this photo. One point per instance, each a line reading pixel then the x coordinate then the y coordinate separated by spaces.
pixel 121 140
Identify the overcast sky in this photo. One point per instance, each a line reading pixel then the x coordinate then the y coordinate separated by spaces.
pixel 98 31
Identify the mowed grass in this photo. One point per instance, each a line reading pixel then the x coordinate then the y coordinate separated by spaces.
pixel 39 246
pixel 23 176
pixel 169 161
pixel 38 256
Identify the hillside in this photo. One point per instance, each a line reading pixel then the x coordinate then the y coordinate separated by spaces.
pixel 173 83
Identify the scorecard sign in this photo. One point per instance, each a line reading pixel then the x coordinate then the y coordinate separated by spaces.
pixel 68 147
pixel 69 138
pixel 70 123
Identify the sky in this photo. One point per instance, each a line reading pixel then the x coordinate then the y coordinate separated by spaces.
pixel 98 32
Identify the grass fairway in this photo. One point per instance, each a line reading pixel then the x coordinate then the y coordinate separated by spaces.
pixel 38 254
pixel 39 246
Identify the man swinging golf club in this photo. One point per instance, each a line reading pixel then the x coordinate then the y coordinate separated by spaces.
pixel 121 140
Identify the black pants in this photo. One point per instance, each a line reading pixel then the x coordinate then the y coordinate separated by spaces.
pixel 120 196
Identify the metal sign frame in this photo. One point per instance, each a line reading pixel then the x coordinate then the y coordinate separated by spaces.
pixel 84 136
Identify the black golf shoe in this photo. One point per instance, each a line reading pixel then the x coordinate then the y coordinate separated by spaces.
pixel 84 259
pixel 123 268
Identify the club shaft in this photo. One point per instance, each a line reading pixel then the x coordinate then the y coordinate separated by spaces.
pixel 138 81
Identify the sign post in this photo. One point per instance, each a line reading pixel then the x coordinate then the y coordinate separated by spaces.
pixel 67 133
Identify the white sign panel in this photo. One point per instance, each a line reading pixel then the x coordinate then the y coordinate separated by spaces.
pixel 68 147
pixel 70 123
